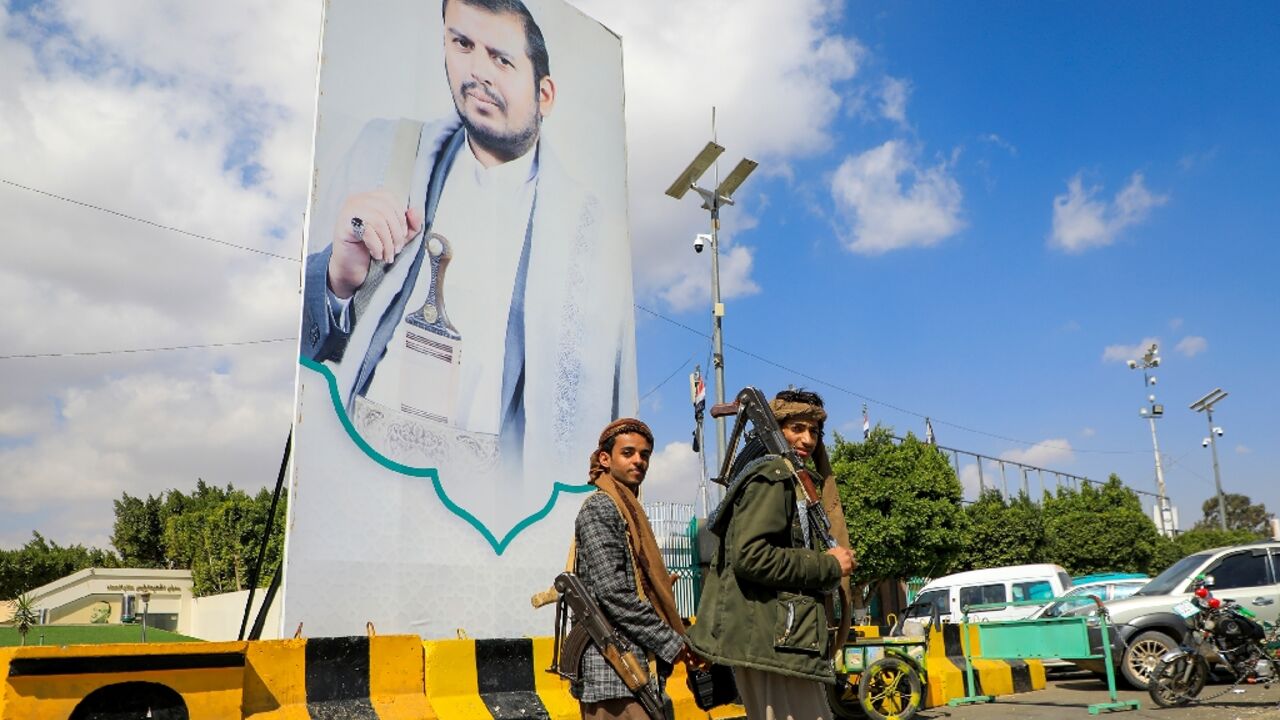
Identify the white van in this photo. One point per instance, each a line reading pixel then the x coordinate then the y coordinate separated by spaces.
pixel 951 594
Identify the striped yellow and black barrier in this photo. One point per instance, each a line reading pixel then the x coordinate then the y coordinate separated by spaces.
pixel 354 678
pixel 395 677
pixel 946 666
pixel 60 682
pixel 507 679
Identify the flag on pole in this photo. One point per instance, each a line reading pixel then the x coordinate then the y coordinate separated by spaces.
pixel 928 433
pixel 866 423
pixel 699 397
pixel 698 393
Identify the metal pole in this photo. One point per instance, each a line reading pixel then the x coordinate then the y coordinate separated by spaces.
pixel 702 466
pixel 982 484
pixel 717 338
pixel 1217 478
pixel 1160 498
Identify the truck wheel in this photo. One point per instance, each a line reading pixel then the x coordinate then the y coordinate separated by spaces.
pixel 1140 658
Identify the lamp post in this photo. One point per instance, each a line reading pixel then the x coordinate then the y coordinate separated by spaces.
pixel 146 605
pixel 1149 361
pixel 1205 405
pixel 712 201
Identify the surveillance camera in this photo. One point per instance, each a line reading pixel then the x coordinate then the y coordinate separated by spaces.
pixel 1155 362
pixel 1217 431
pixel 1152 380
pixel 1132 364
pixel 1204 442
pixel 699 242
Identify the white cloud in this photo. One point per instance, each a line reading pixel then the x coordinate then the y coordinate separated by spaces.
pixel 1045 454
pixel 883 212
pixel 1191 161
pixel 774 71
pixel 673 474
pixel 195 116
pixel 893 99
pixel 1081 222
pixel 200 116
pixel 1175 323
pixel 1000 142
pixel 142 433
pixel 1192 345
pixel 1243 450
pixel 1125 353
pixel 693 286
pixel 1088 432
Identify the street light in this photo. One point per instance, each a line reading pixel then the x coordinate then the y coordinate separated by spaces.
pixel 1205 405
pixel 1150 360
pixel 712 201
pixel 146 605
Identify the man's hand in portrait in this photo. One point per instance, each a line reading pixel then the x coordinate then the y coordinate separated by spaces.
pixel 385 226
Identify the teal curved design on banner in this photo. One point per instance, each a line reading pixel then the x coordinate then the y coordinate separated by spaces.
pixel 499 546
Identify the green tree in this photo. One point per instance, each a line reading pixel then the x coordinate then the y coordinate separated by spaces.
pixel 42 561
pixel 1002 532
pixel 1100 529
pixel 902 504
pixel 138 532
pixel 24 616
pixel 218 535
pixel 1242 514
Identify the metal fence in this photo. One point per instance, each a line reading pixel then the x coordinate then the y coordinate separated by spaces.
pixel 676 530
pixel 979 473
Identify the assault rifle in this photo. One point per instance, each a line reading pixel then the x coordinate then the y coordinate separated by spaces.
pixel 751 406
pixel 590 625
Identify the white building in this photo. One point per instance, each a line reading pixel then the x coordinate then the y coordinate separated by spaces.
pixel 120 595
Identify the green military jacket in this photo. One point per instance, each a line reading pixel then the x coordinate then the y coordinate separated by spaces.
pixel 762 605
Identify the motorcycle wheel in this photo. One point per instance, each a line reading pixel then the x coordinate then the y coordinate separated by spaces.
pixel 1178 681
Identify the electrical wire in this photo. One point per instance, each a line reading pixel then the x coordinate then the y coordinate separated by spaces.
pixel 144 221
pixel 881 403
pixel 89 353
pixel 654 313
pixel 655 388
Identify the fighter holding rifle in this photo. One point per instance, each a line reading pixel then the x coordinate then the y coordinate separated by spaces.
pixel 627 633
pixel 768 601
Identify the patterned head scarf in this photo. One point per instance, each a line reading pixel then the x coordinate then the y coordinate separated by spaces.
pixel 618 427
pixel 785 410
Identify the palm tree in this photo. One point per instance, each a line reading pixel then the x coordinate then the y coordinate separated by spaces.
pixel 24 616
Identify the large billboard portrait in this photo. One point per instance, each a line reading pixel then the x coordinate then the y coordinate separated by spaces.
pixel 467 324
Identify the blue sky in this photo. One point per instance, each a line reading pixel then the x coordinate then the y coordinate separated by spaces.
pixel 993 327
pixel 971 211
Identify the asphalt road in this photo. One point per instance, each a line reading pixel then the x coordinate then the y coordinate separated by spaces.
pixel 1070 695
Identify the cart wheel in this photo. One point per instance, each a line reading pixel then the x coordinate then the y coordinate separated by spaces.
pixel 890 690
pixel 843 698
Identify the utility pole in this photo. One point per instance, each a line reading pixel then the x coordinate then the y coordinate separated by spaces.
pixel 1155 410
pixel 712 201
pixel 1205 405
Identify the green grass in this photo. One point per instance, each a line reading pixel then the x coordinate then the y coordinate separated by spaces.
pixel 89 635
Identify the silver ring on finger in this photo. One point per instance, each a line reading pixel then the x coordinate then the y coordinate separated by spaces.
pixel 357 227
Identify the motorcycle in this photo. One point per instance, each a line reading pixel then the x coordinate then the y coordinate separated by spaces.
pixel 1221 628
